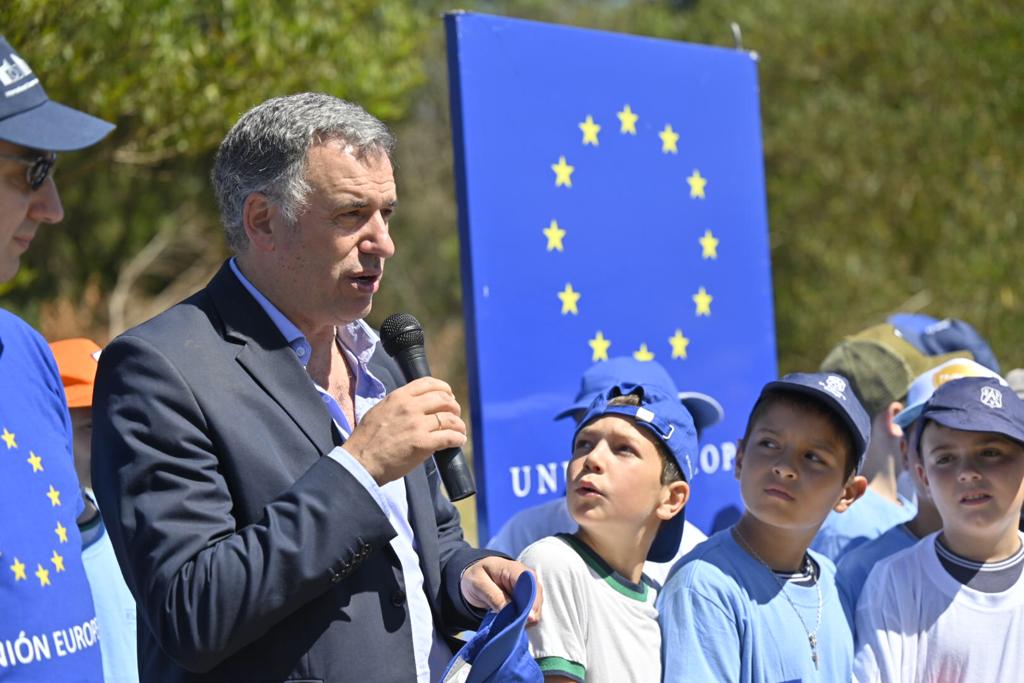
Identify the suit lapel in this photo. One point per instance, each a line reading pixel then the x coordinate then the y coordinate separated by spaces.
pixel 268 359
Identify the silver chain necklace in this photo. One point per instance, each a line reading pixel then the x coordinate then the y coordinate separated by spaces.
pixel 812 636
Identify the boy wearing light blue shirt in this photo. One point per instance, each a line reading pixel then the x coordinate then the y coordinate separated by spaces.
pixel 752 603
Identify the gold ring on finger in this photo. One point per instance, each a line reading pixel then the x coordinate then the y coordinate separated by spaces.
pixel 439 425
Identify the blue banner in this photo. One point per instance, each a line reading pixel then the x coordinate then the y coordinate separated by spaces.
pixel 612 202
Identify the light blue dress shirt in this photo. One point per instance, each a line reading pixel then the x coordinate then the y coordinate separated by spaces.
pixel 358 341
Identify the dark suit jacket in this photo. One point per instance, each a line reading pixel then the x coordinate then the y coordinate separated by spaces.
pixel 252 556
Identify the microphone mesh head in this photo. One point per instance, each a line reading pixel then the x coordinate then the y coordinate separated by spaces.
pixel 400 331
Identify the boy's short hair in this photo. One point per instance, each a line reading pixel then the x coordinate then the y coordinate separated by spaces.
pixel 663 417
pixel 976 404
pixel 824 394
pixel 670 471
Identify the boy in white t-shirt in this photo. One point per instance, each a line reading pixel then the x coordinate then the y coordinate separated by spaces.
pixel 951 608
pixel 853 569
pixel 627 485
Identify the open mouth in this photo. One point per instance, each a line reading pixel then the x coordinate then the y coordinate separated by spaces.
pixel 367 282
pixel 586 489
pixel 977 498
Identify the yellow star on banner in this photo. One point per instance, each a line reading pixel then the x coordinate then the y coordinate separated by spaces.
pixel 703 301
pixel 58 562
pixel 554 235
pixel 708 245
pixel 54 496
pixel 19 570
pixel 697 183
pixel 679 344
pixel 9 439
pixel 627 120
pixel 563 173
pixel 62 532
pixel 569 299
pixel 43 575
pixel 599 345
pixel 643 354
pixel 590 131
pixel 35 461
pixel 669 138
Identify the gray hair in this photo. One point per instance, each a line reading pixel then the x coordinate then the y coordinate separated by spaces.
pixel 266 151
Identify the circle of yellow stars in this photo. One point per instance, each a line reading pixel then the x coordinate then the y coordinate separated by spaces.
pixel 17 567
pixel 555 234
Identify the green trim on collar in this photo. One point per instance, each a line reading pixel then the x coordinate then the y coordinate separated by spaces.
pixel 561 666
pixel 614 579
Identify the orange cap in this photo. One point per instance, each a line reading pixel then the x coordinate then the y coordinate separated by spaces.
pixel 77 361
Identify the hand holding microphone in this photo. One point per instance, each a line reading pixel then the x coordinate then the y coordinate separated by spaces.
pixel 414 421
pixel 403 340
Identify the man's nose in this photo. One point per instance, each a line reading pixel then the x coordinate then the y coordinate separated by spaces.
pixel 378 241
pixel 45 206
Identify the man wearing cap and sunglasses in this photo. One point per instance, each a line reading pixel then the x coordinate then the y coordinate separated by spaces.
pixel 48 630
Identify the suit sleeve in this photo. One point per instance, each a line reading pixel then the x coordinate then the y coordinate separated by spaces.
pixel 205 587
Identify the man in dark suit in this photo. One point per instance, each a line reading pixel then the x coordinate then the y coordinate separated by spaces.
pixel 266 481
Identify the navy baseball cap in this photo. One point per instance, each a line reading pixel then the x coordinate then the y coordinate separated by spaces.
pixel 31 119
pixel 706 411
pixel 936 337
pixel 500 650
pixel 670 423
pixel 835 392
pixel 976 404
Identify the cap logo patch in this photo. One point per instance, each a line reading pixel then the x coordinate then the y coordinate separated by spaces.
pixel 835 386
pixel 13 70
pixel 991 397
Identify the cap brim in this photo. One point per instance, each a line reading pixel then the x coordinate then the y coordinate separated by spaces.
pixel 832 402
pixel 505 630
pixel 906 417
pixel 667 540
pixel 53 127
pixel 706 411
pixel 964 421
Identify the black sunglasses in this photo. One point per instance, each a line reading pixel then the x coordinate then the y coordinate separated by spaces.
pixel 39 167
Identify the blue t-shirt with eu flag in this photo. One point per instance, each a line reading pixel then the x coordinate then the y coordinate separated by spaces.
pixel 48 629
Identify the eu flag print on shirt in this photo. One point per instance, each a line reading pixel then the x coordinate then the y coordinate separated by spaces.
pixel 612 203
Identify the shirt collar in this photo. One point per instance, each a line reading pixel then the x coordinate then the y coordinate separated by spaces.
pixel 358 337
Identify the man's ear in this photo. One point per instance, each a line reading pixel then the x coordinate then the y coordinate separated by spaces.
pixel 890 412
pixel 257 221
pixel 738 463
pixel 675 499
pixel 855 487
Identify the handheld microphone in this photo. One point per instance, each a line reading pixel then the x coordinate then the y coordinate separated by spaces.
pixel 402 337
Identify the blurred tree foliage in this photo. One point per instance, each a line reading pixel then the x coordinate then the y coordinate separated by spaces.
pixel 141 228
pixel 893 134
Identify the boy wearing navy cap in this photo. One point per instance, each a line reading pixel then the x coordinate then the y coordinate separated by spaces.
pixel 753 603
pixel 951 608
pixel 627 486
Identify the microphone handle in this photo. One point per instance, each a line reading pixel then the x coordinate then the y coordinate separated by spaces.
pixel 451 463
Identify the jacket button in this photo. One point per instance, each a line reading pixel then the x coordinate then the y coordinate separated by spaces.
pixel 398 598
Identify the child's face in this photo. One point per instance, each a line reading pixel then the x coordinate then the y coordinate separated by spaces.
pixel 615 475
pixel 976 479
pixel 791 468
